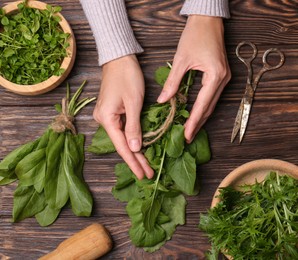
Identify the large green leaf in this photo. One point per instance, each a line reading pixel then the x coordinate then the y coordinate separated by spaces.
pixel 28 169
pixel 101 143
pixel 52 139
pixel 10 177
pixel 80 196
pixel 27 202
pixel 173 211
pixel 62 194
pixel 127 193
pixel 175 141
pixel 80 141
pixel 47 216
pixel 124 176
pixel 150 210
pixel 183 172
pixel 13 158
pixel 40 178
pixel 44 139
pixel 52 171
pixel 125 188
pixel 143 238
pixel 199 148
pixel 138 234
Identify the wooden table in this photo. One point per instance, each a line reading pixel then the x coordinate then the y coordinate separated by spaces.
pixel 271 133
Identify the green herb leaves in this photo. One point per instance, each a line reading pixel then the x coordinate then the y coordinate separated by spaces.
pixel 183 172
pixel 101 143
pixel 50 169
pixel 175 142
pixel 157 206
pixel 32 45
pixel 258 222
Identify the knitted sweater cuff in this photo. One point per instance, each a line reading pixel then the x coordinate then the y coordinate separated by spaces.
pixel 219 8
pixel 111 29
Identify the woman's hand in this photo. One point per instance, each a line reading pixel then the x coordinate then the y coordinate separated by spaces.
pixel 118 110
pixel 201 47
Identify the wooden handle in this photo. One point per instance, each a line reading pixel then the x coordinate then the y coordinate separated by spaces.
pixel 88 244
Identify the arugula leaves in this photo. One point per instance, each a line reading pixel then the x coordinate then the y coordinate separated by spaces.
pixel 257 222
pixel 32 44
pixel 157 206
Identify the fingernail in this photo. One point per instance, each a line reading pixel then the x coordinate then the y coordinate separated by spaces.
pixel 189 141
pixel 162 97
pixel 150 174
pixel 134 145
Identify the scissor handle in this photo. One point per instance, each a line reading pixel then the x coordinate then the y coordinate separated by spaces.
pixel 266 65
pixel 246 61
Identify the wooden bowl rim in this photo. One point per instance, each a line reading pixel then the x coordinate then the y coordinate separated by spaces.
pixel 249 172
pixel 66 64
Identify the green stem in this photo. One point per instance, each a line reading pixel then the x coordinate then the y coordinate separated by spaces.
pixel 13 46
pixel 80 105
pixel 71 105
pixel 188 82
pixel 158 175
pixel 4 35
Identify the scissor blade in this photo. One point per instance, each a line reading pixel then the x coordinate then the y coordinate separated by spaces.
pixel 244 120
pixel 237 122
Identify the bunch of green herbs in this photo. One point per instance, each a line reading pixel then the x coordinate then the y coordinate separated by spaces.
pixel 259 221
pixel 32 44
pixel 156 206
pixel 49 170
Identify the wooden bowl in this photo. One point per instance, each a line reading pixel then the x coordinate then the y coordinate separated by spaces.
pixel 249 172
pixel 66 64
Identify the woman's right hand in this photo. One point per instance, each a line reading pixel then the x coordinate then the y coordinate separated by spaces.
pixel 118 110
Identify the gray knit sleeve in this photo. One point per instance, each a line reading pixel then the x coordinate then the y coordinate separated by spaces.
pixel 111 29
pixel 218 8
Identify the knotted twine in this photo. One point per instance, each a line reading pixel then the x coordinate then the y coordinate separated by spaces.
pixel 64 121
pixel 152 136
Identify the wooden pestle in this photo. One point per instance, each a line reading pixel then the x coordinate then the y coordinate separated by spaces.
pixel 91 243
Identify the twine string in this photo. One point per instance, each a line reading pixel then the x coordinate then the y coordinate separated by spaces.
pixel 64 121
pixel 152 136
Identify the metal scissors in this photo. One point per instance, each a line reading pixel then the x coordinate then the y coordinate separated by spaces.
pixel 251 85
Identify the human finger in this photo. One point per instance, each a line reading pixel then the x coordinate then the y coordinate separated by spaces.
pixel 172 83
pixel 145 165
pixel 133 132
pixel 118 138
pixel 202 108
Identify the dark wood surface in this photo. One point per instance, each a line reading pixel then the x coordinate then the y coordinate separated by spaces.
pixel 271 133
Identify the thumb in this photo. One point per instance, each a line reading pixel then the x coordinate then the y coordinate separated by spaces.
pixel 133 132
pixel 172 83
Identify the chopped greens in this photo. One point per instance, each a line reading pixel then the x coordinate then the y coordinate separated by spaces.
pixel 157 206
pixel 32 44
pixel 260 221
pixel 49 170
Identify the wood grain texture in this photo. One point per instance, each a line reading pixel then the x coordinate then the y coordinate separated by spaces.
pixel 271 132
